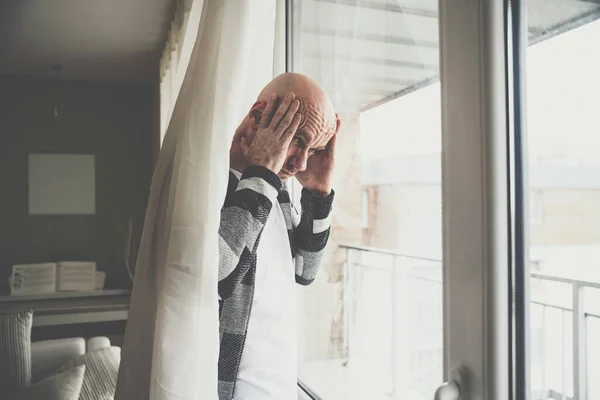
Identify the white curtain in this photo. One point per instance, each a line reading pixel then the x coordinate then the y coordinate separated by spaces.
pixel 174 57
pixel 171 341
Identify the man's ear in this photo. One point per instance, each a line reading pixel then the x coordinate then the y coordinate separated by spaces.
pixel 256 113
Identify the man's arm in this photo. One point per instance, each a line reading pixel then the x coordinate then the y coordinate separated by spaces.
pixel 311 235
pixel 247 208
pixel 243 217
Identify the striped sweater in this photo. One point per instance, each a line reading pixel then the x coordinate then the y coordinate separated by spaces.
pixel 247 206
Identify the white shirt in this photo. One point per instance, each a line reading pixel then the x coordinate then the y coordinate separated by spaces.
pixel 268 369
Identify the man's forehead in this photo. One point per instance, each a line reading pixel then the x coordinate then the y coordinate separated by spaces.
pixel 318 140
pixel 318 119
pixel 316 113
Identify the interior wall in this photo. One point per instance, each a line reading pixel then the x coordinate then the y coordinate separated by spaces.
pixel 116 123
pixel 156 134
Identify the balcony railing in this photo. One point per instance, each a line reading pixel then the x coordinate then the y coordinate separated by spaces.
pixel 393 320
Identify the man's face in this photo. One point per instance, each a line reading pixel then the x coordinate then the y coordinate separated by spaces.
pixel 312 137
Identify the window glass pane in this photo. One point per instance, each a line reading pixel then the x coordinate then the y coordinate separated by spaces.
pixel 563 126
pixel 371 325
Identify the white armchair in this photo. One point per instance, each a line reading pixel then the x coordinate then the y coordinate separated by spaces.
pixel 48 355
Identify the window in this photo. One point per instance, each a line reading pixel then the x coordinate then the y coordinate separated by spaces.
pixel 396 308
pixel 536 207
pixel 371 325
pixel 563 125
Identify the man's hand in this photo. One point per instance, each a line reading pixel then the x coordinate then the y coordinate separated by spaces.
pixel 318 175
pixel 269 146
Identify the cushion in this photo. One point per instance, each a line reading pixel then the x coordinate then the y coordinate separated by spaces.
pixel 101 370
pixel 64 386
pixel 98 342
pixel 15 351
pixel 48 355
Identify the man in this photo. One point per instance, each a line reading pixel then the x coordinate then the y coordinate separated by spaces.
pixel 265 247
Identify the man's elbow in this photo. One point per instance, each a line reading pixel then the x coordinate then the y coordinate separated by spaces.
pixel 307 265
pixel 226 287
pixel 304 281
pixel 224 294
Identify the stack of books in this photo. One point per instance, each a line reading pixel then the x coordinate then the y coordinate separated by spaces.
pixel 65 276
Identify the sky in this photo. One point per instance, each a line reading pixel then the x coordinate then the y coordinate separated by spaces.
pixel 563 107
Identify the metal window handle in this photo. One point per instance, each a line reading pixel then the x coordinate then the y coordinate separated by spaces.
pixel 452 390
pixel 448 391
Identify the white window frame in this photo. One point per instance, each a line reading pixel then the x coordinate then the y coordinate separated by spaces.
pixel 475 192
pixel 476 197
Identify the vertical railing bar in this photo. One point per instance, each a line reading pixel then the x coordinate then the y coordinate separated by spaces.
pixel 347 304
pixel 563 357
pixel 575 327
pixel 394 331
pixel 579 353
pixel 543 340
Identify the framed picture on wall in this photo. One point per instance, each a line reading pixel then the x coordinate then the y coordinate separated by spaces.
pixel 62 184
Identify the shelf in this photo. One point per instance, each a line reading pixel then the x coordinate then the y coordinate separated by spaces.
pixel 64 308
pixel 80 318
pixel 65 295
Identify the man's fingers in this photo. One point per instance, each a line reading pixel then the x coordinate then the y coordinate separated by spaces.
pixel 281 111
pixel 235 144
pixel 288 119
pixel 267 114
pixel 289 133
pixel 332 143
pixel 333 140
pixel 244 146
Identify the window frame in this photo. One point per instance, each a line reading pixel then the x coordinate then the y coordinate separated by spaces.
pixel 476 196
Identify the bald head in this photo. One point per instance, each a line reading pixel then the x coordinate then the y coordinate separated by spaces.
pixel 315 107
pixel 318 124
pixel 292 82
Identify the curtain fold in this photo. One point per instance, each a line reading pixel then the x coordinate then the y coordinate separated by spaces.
pixel 171 60
pixel 171 341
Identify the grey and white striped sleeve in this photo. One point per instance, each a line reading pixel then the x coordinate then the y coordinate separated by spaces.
pixel 243 217
pixel 311 235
